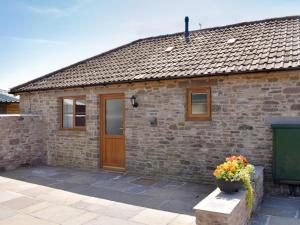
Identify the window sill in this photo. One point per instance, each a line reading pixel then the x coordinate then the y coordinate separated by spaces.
pixel 198 118
pixel 72 129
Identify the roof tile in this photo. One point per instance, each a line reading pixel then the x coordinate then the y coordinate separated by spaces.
pixel 260 45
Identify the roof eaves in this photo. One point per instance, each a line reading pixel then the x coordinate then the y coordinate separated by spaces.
pixel 161 79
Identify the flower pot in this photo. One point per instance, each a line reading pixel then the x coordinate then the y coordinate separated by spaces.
pixel 228 186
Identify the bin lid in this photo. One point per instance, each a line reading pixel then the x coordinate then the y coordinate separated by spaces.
pixel 285 125
pixel 283 121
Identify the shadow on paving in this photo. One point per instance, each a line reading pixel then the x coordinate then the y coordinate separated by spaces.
pixel 276 210
pixel 167 195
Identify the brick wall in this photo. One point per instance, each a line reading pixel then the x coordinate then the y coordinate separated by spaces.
pixel 21 141
pixel 187 150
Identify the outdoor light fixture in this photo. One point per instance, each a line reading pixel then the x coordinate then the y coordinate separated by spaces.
pixel 133 101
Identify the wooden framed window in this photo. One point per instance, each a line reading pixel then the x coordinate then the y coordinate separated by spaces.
pixel 73 113
pixel 198 103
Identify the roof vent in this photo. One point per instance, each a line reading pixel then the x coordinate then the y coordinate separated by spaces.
pixel 168 49
pixel 186 31
pixel 231 41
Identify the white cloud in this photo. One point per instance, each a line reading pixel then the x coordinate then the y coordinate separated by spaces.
pixel 46 10
pixel 58 11
pixel 79 5
pixel 36 40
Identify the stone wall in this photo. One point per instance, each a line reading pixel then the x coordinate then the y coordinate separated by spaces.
pixel 186 150
pixel 21 141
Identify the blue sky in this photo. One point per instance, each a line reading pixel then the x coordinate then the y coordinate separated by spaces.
pixel 40 36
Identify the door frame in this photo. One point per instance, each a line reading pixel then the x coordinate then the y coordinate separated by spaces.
pixel 102 98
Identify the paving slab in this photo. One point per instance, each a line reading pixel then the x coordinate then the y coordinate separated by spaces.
pixel 281 202
pixel 18 173
pixel 5 213
pixel 8 195
pixel 137 189
pixel 276 220
pixel 54 195
pixel 138 200
pixel 121 210
pixel 176 206
pixel 17 186
pixel 4 179
pixel 191 187
pixel 91 207
pixel 35 207
pixel 277 210
pixel 173 185
pixel 81 219
pixel 63 185
pixel 260 219
pixel 45 181
pixel 20 203
pixel 111 183
pixel 98 201
pixel 183 220
pixel 106 220
pixel 35 191
pixel 145 181
pixel 22 219
pixel 57 214
pixel 119 196
pixel 60 197
pixel 44 172
pixel 77 179
pixel 105 176
pixel 152 216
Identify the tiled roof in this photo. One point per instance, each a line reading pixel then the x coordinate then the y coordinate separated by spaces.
pixel 6 98
pixel 265 45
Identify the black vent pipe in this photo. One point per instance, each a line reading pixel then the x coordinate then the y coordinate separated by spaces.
pixel 186 32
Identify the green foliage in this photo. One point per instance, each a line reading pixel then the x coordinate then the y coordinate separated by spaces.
pixel 237 168
pixel 246 179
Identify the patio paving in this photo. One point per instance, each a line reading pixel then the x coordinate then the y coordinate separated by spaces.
pixel 276 210
pixel 53 195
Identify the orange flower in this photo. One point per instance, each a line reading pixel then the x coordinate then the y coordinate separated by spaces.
pixel 231 158
pixel 240 159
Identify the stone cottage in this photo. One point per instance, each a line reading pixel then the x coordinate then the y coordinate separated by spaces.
pixel 8 103
pixel 172 105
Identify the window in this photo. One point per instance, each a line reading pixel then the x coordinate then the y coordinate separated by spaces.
pixel 198 104
pixel 114 116
pixel 2 109
pixel 73 113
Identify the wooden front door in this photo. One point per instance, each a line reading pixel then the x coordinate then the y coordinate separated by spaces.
pixel 112 137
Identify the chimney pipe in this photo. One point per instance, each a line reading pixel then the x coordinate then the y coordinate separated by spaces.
pixel 186 32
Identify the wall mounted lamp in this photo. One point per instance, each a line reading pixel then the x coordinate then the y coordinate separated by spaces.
pixel 134 102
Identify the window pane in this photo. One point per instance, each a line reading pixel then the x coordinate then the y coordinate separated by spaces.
pixel 67 113
pixel 199 103
pixel 114 116
pixel 80 113
pixel 2 109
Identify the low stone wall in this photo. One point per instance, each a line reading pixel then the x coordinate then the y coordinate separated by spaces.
pixel 219 208
pixel 21 141
pixel 258 186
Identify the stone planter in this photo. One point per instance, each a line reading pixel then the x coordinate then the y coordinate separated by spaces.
pixel 228 186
